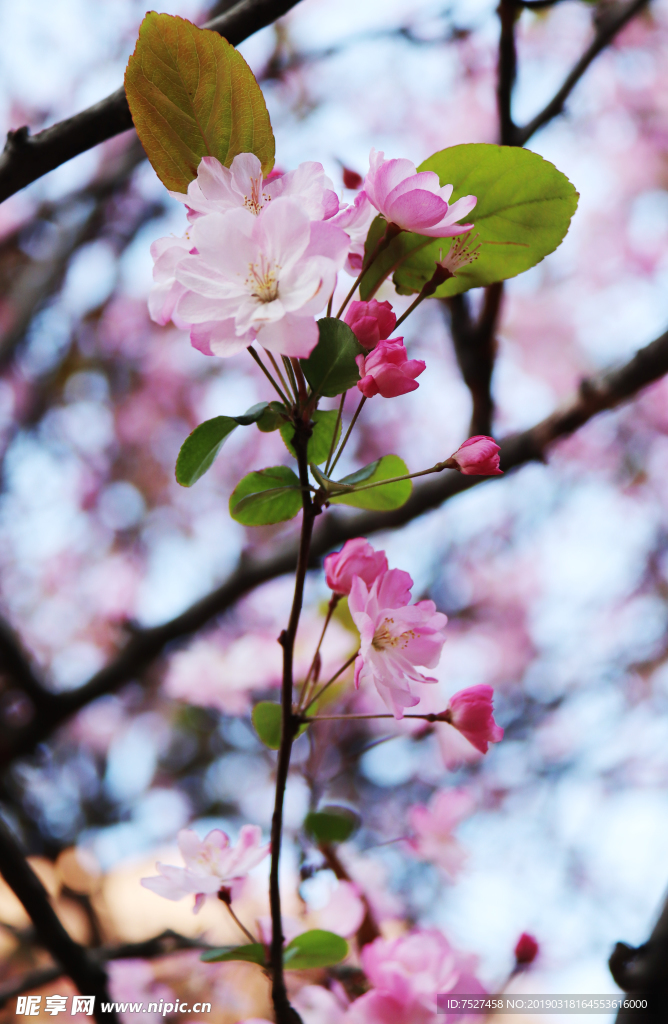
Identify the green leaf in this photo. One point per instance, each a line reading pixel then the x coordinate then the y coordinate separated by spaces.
pixel 253 953
pixel 377 498
pixel 320 441
pixel 200 448
pixel 266 717
pixel 523 212
pixel 267 496
pixel 331 367
pixel 315 948
pixel 331 824
pixel 191 94
pixel 272 417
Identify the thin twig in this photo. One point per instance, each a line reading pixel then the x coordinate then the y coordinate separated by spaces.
pixel 318 695
pixel 256 356
pixel 335 435
pixel 348 433
pixel 334 600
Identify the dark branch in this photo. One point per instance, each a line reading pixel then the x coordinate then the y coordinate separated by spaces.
pixel 475 347
pixel 611 23
pixel 26 158
pixel 594 396
pixel 89 977
pixel 161 945
pixel 641 972
pixel 507 71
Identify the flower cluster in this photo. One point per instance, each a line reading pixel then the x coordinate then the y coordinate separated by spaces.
pixel 261 255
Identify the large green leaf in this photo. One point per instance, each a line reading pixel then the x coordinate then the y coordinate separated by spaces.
pixel 315 948
pixel 200 448
pixel 378 498
pixel 253 953
pixel 266 496
pixel 331 824
pixel 331 367
pixel 191 94
pixel 320 441
pixel 523 212
pixel 266 717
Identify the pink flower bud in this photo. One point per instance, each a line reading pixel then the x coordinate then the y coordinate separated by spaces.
pixel 356 558
pixel 370 322
pixel 479 456
pixel 351 179
pixel 526 949
pixel 472 712
pixel 388 371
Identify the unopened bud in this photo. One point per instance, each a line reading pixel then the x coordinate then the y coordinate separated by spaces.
pixel 225 895
pixel 526 949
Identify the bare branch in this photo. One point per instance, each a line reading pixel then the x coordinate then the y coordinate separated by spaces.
pixel 641 972
pixel 611 23
pixel 475 347
pixel 507 71
pixel 89 977
pixel 594 396
pixel 26 158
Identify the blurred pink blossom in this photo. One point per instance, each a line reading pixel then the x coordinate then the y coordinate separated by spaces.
pixel 479 456
pixel 472 712
pixel 218 189
pixel 415 201
pixel 211 863
pixel 370 322
pixel 133 981
pixel 388 371
pixel 406 975
pixel 433 826
pixel 293 263
pixel 318 1005
pixel 394 637
pixel 356 558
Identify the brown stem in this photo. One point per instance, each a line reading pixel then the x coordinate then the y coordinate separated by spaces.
pixel 329 682
pixel 285 1014
pixel 334 600
pixel 507 72
pixel 88 976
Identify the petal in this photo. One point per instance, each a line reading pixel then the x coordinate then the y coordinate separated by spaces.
pixel 282 232
pixel 416 210
pixel 291 336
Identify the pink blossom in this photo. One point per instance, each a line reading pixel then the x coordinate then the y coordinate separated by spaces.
pixel 394 637
pixel 370 322
pixel 526 949
pixel 218 189
pixel 211 863
pixel 318 1005
pixel 415 201
pixel 472 712
pixel 262 277
pixel 133 981
pixel 479 456
pixel 166 292
pixel 388 371
pixel 433 826
pixel 407 974
pixel 356 558
pixel 355 220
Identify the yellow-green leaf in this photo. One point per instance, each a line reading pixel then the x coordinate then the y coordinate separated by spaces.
pixel 381 498
pixel 191 94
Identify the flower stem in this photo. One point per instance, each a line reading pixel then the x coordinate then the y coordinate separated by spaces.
pixel 291 376
pixel 410 309
pixel 256 357
pixel 244 929
pixel 345 718
pixel 438 468
pixel 284 1012
pixel 391 232
pixel 301 380
pixel 334 600
pixel 306 718
pixel 336 431
pixel 278 371
pixel 348 433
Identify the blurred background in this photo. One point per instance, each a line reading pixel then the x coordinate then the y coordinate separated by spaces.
pixel 555 577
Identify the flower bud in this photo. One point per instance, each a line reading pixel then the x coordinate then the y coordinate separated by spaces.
pixel 526 949
pixel 471 711
pixel 479 456
pixel 356 558
pixel 370 322
pixel 388 371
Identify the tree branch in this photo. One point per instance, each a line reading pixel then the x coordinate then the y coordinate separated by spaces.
pixel 475 348
pixel 595 395
pixel 26 158
pixel 611 23
pixel 89 977
pixel 507 71
pixel 642 972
